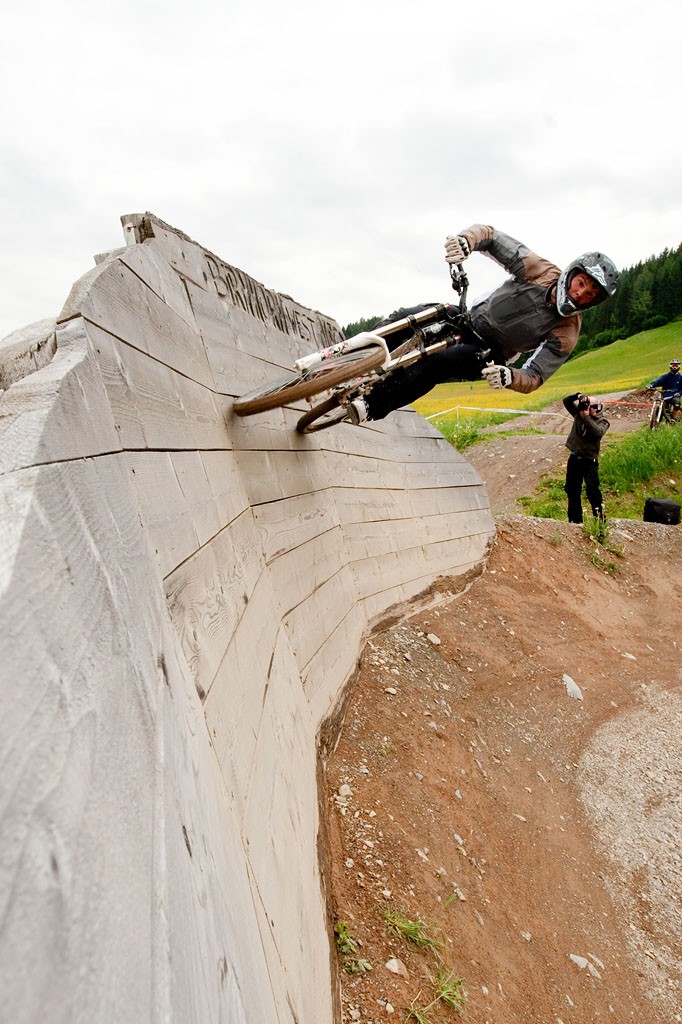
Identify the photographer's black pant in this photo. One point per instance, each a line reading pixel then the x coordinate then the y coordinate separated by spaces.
pixel 581 469
pixel 462 361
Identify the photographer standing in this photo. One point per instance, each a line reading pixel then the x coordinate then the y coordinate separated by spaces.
pixel 583 442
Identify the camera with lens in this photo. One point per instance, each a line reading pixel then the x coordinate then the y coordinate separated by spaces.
pixel 583 402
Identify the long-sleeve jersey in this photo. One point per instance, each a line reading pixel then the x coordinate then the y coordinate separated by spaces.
pixel 586 432
pixel 670 383
pixel 521 316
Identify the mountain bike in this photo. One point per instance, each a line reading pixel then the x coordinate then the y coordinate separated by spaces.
pixel 661 410
pixel 350 368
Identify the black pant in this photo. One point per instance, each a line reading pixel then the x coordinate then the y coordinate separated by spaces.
pixel 461 361
pixel 578 469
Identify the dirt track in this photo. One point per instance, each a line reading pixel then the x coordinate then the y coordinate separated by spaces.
pixel 554 820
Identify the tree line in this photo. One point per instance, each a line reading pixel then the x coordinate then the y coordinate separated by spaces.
pixel 650 295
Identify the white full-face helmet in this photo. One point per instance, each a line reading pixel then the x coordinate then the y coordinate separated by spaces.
pixel 599 268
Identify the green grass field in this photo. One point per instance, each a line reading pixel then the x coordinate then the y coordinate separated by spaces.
pixel 631 467
pixel 622 366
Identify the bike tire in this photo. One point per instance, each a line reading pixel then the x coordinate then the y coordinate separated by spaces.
pixel 311 382
pixel 326 414
pixel 654 417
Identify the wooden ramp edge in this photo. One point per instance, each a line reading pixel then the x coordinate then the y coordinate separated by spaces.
pixel 183 599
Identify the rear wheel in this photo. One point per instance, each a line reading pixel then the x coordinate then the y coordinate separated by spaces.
pixel 311 382
pixel 321 416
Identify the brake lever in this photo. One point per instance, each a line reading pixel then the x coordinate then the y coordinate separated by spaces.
pixel 460 283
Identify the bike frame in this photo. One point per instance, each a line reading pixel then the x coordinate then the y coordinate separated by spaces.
pixel 353 366
pixel 359 341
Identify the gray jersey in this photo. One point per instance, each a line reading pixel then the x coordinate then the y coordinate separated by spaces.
pixel 520 315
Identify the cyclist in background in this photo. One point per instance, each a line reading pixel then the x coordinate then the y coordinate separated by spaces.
pixel 670 384
pixel 538 311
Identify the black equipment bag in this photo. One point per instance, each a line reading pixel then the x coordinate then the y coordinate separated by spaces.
pixel 661 510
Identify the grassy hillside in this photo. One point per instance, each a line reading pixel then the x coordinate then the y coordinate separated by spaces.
pixel 622 366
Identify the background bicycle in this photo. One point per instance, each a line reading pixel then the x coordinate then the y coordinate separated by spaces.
pixel 662 410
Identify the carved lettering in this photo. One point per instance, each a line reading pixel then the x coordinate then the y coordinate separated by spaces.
pixel 270 308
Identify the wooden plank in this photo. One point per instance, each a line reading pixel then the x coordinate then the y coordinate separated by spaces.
pixel 299 573
pixel 180 506
pixel 276 475
pixel 392 570
pixel 371 540
pixel 234 704
pixel 122 304
pixel 330 667
pixel 281 817
pixel 207 595
pixel 153 406
pixel 286 525
pixel 203 881
pixel 376 505
pixel 150 264
pixel 75 734
pixel 331 602
pixel 60 412
pixel 424 444
pixel 271 476
pixel 26 350
pixel 230 334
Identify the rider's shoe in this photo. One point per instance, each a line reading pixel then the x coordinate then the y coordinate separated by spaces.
pixel 357 411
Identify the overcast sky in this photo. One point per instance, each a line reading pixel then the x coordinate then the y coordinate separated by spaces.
pixel 327 150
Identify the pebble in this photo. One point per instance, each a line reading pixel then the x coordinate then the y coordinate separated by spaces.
pixel 572 688
pixel 396 966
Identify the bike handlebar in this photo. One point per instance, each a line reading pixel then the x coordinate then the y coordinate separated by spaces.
pixel 460 282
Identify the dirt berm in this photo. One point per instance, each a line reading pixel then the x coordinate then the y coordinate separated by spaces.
pixel 509 774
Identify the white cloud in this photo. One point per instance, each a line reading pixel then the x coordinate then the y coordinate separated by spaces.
pixel 326 150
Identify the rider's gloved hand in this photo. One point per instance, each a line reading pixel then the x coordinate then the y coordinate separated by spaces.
pixel 497 376
pixel 456 249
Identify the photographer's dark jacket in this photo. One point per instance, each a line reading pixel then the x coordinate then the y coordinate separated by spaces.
pixel 586 432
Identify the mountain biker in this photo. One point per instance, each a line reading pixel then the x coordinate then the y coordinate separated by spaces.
pixel 583 442
pixel 670 384
pixel 537 311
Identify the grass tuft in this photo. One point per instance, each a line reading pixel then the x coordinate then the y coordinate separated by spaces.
pixel 415 931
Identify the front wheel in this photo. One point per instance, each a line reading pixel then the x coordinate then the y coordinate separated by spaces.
pixel 321 416
pixel 655 415
pixel 311 382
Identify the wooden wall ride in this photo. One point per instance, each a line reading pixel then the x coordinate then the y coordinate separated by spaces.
pixel 184 596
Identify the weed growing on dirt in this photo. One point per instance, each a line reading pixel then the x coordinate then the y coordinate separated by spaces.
pixel 345 940
pixel 448 991
pixel 358 966
pixel 347 944
pixel 385 747
pixel 415 931
pixel 597 533
pixel 449 988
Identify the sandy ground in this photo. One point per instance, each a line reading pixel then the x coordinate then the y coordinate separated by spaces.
pixel 509 774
